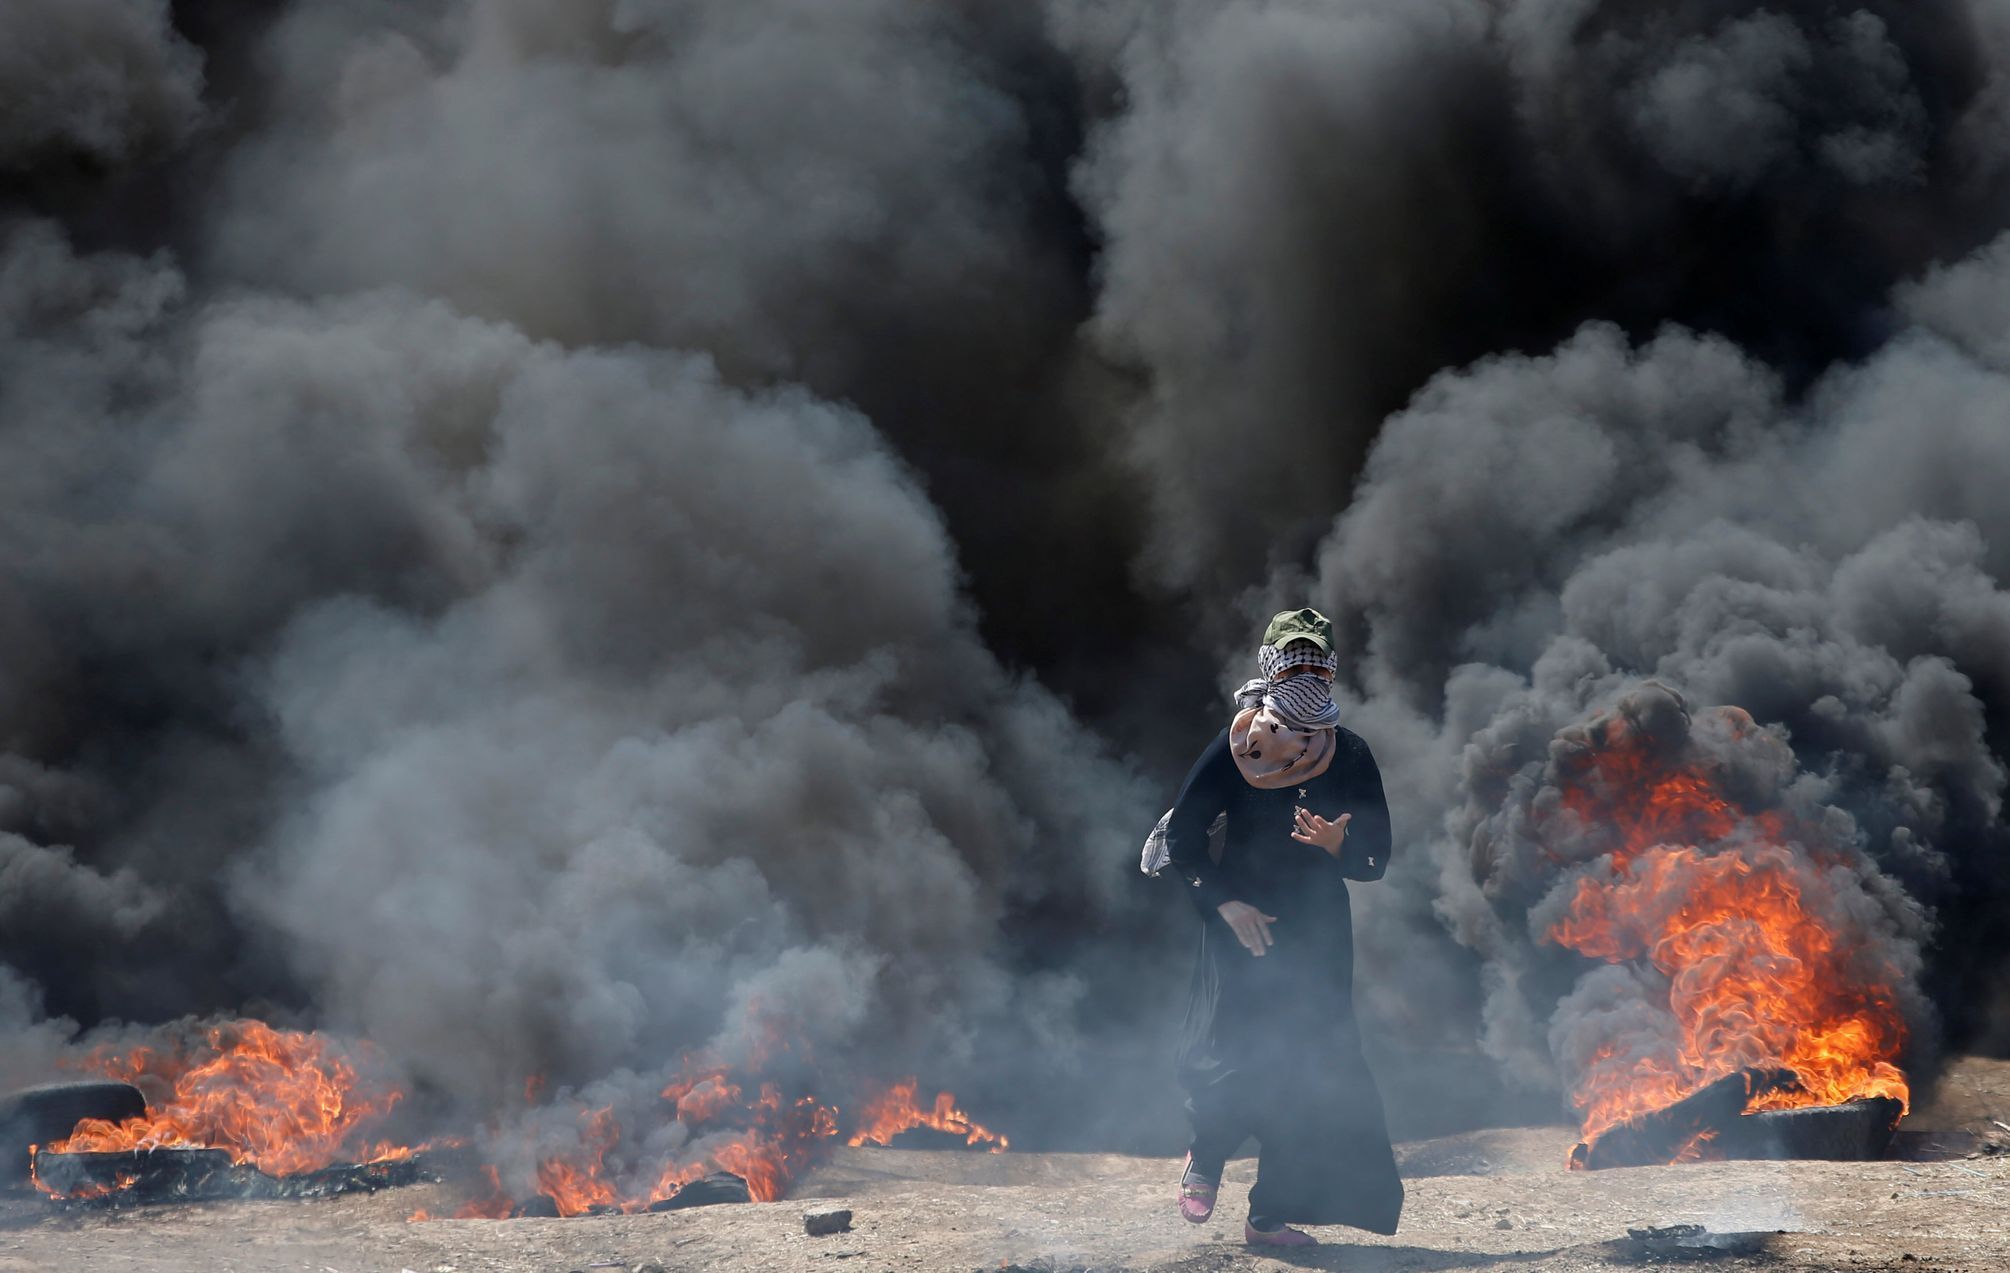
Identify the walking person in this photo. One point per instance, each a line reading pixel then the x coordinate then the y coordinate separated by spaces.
pixel 1270 1046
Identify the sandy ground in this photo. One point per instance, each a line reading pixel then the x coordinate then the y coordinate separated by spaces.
pixel 1496 1199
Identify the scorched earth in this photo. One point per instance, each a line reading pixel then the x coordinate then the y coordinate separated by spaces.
pixel 1485 1200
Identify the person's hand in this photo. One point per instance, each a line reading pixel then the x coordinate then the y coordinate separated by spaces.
pixel 1313 829
pixel 1252 926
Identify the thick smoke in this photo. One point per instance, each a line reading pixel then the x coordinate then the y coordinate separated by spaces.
pixel 688 734
pixel 475 635
pixel 553 534
pixel 1312 208
pixel 99 82
pixel 607 697
pixel 865 198
pixel 1608 512
pixel 1756 460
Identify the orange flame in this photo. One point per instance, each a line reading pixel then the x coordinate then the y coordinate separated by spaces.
pixel 1757 981
pixel 284 1101
pixel 288 1102
pixel 1627 790
pixel 786 1136
pixel 766 1141
pixel 88 1191
pixel 580 1184
pixel 895 1111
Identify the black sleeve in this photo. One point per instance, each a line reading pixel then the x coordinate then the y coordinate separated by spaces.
pixel 1365 853
pixel 1201 798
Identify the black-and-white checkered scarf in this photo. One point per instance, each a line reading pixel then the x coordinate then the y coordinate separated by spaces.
pixel 1303 701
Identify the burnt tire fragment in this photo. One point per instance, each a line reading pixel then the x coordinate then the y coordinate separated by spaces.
pixel 719 1187
pixel 45 1114
pixel 143 1175
pixel 138 1177
pixel 1855 1131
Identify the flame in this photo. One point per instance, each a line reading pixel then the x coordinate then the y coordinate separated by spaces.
pixel 895 1111
pixel 288 1101
pixel 786 1136
pixel 1757 980
pixel 702 1099
pixel 766 1141
pixel 1627 790
pixel 88 1191
pixel 283 1101
pixel 580 1184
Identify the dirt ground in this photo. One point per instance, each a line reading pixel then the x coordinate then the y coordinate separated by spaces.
pixel 1487 1200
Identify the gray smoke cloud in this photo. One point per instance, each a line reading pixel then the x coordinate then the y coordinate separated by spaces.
pixel 602 699
pixel 1534 535
pixel 1311 209
pixel 1719 286
pixel 868 199
pixel 717 707
pixel 551 534
pixel 96 81
pixel 756 184
pixel 32 1044
pixel 1284 202
pixel 480 632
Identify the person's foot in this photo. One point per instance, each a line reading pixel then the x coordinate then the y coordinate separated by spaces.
pixel 1196 1194
pixel 1282 1235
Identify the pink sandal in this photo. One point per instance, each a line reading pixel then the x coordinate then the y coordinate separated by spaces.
pixel 1196 1196
pixel 1284 1235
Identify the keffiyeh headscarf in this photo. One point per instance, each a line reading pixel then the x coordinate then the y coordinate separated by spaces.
pixel 1283 728
pixel 1303 701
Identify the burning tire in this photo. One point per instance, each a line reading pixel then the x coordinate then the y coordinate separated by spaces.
pixel 39 1115
pixel 1854 1131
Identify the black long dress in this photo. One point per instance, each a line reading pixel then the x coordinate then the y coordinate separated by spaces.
pixel 1270 1047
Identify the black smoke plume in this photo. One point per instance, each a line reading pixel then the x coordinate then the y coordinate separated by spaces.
pixel 544 532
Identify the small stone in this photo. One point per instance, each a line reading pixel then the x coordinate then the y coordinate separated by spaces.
pixel 648 1268
pixel 819 1221
pixel 1503 1223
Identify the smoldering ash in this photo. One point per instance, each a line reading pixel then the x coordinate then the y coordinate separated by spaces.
pixel 515 537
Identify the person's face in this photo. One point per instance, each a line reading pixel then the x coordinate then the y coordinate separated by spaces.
pixel 1309 669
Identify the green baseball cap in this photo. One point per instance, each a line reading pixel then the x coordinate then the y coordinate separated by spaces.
pixel 1300 625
